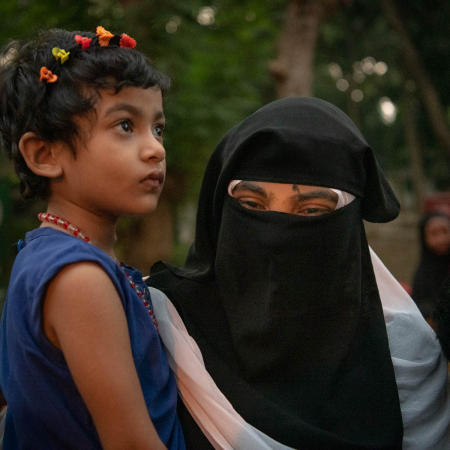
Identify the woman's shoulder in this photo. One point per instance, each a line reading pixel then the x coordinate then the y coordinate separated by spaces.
pixel 422 380
pixel 410 336
pixel 163 281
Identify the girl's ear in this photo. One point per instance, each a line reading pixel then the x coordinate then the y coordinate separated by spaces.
pixel 40 155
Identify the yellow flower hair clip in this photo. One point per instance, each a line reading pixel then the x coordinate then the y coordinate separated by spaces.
pixel 104 36
pixel 60 54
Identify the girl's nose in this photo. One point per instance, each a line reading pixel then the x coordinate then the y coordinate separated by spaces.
pixel 153 149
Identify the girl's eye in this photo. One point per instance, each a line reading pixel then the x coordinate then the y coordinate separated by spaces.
pixel 158 131
pixel 126 126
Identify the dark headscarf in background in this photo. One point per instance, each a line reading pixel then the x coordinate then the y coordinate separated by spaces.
pixel 285 309
pixel 442 317
pixel 431 272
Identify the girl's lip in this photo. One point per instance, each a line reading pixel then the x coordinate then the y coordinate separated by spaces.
pixel 153 179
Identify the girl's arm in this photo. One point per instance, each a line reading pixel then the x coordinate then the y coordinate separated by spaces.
pixel 84 317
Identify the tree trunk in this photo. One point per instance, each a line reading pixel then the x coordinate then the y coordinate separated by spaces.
pixel 414 147
pixel 416 68
pixel 293 68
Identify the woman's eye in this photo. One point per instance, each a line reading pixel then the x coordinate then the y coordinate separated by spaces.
pixel 249 204
pixel 158 131
pixel 126 125
pixel 313 211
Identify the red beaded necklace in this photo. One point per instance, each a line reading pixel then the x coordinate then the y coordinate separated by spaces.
pixel 47 217
pixel 143 293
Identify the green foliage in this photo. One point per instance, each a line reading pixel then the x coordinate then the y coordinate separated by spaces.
pixel 20 19
pixel 360 31
pixel 219 71
pixel 219 74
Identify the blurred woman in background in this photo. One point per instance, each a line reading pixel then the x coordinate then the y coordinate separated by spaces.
pixel 434 264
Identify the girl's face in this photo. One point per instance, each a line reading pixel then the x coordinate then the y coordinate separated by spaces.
pixel 119 164
pixel 437 235
pixel 287 198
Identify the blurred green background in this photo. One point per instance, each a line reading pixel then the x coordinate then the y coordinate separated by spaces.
pixel 383 62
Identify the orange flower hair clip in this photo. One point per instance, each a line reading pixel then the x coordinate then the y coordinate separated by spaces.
pixel 47 75
pixel 104 36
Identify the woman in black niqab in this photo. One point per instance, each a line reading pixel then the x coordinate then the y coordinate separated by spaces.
pixel 434 264
pixel 285 309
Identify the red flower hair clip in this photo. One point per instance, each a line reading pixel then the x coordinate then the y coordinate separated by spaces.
pixel 85 42
pixel 127 41
pixel 47 75
pixel 104 36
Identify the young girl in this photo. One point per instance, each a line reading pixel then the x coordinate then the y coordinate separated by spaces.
pixel 81 362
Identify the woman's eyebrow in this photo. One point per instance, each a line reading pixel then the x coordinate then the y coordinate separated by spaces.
pixel 320 193
pixel 248 186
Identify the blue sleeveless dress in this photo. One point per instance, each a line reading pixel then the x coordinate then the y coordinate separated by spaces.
pixel 45 409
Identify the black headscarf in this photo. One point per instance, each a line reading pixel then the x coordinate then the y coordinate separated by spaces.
pixel 431 272
pixel 442 317
pixel 285 309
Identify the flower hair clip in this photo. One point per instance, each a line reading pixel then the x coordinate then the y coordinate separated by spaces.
pixel 60 54
pixel 104 39
pixel 104 36
pixel 127 41
pixel 47 75
pixel 85 42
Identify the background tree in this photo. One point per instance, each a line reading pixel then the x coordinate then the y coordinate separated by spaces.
pixel 19 19
pixel 293 70
pixel 415 66
pixel 222 56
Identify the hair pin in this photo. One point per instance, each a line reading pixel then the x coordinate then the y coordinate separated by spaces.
pixel 85 42
pixel 47 75
pixel 60 54
pixel 104 36
pixel 127 41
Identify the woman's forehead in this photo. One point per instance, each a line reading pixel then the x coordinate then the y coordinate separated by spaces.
pixel 437 222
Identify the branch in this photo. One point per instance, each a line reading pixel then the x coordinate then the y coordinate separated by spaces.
pixel 416 68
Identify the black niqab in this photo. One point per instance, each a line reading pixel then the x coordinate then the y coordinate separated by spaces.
pixel 285 309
